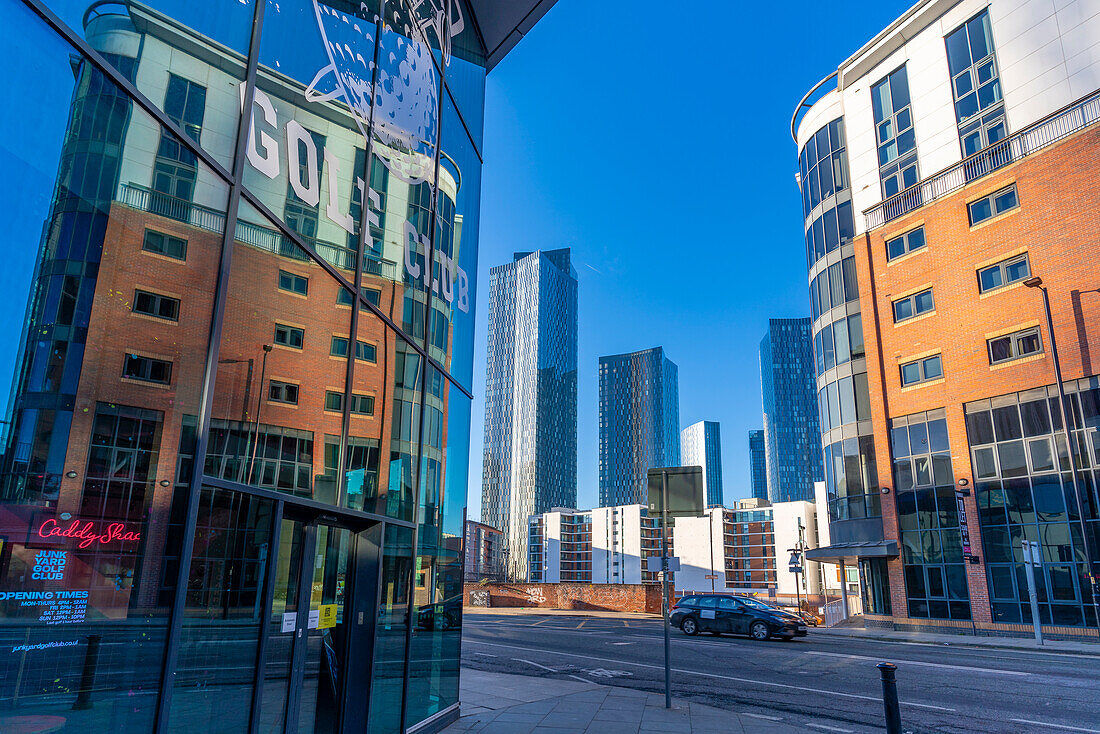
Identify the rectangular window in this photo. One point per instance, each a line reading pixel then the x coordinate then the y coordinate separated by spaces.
pixel 289 336
pixel 976 87
pixel 922 370
pixel 1014 346
pixel 147 369
pixel 334 401
pixel 914 305
pixel 897 145
pixel 904 244
pixel 164 244
pixel 990 206
pixel 371 295
pixel 282 392
pixel 365 352
pixel 154 304
pixel 1004 273
pixel 362 404
pixel 339 346
pixel 293 282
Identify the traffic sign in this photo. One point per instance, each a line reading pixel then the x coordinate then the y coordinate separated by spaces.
pixel 795 564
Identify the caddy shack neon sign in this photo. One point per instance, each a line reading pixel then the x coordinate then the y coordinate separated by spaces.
pixel 405 98
pixel 86 532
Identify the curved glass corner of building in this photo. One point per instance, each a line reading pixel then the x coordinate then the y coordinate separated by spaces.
pixel 233 462
pixel 844 404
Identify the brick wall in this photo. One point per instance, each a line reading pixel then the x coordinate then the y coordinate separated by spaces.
pixel 582 597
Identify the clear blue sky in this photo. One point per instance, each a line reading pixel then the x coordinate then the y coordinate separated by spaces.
pixel 659 149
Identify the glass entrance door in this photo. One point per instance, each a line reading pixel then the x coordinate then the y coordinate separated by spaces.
pixel 321 618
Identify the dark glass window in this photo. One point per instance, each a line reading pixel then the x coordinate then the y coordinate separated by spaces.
pixel 922 370
pixel 164 244
pixel 289 336
pixel 154 304
pixel 371 295
pixel 905 243
pixel 1014 346
pixel 334 401
pixel 914 305
pixel 362 404
pixel 1004 273
pixel 282 392
pixel 147 369
pixel 897 145
pixel 293 282
pixel 976 86
pixel 990 206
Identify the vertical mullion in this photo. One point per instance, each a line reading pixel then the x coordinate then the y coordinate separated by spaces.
pixel 265 615
pixel 175 626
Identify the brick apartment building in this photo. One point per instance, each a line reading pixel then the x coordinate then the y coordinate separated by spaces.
pixel 959 149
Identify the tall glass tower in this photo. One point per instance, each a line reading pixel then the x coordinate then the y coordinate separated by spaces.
pixel 639 422
pixel 792 429
pixel 701 445
pixel 758 465
pixel 530 462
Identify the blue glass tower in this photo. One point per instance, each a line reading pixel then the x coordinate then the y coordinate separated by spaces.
pixel 639 422
pixel 701 445
pixel 758 465
pixel 792 427
pixel 530 459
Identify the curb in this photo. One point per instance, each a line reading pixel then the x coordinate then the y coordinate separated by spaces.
pixel 964 641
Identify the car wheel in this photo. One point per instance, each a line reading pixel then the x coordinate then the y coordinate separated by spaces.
pixel 759 631
pixel 689 627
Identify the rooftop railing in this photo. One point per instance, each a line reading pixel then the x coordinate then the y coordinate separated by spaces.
pixel 1031 139
pixel 253 235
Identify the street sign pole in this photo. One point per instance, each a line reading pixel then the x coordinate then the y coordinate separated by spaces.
pixel 664 583
pixel 1031 554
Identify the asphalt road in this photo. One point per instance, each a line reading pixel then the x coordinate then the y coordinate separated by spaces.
pixel 821 682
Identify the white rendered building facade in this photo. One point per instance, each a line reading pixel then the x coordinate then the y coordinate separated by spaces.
pixel 701 445
pixel 605 545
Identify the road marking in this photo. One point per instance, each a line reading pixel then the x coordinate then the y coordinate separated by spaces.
pixel 582 680
pixel 921 662
pixel 541 621
pixel 762 716
pixel 621 643
pixel 484 654
pixel 1056 726
pixel 708 675
pixel 521 660
pixel 583 623
pixel 830 728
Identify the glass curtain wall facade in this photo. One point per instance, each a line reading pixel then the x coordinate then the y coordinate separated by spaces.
pixel 792 433
pixel 530 453
pixel 701 445
pixel 639 423
pixel 233 470
pixel 758 465
pixel 839 358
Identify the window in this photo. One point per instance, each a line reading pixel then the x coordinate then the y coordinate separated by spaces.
pixel 362 404
pixel 293 282
pixel 282 392
pixel 339 346
pixel 1014 346
pixel 906 243
pixel 147 369
pixel 175 168
pixel 289 336
pixel 363 351
pixel 990 206
pixel 152 304
pixel 922 370
pixel 1004 273
pixel 897 145
pixel 334 401
pixel 914 305
pixel 976 86
pixel 163 244
pixel 371 295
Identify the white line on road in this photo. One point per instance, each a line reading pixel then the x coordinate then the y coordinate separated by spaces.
pixel 829 728
pixel 521 660
pixel 622 643
pixel 706 675
pixel 921 662
pixel 1056 726
pixel 582 680
pixel 484 654
pixel 762 716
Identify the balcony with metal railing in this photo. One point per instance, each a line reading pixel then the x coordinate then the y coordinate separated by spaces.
pixel 1030 140
pixel 247 233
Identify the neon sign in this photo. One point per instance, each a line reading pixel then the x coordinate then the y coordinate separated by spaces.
pixel 86 532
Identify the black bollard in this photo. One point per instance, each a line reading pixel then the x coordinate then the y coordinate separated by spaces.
pixel 890 697
pixel 87 676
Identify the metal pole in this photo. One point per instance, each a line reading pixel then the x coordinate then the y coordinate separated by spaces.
pixel 664 583
pixel 1090 571
pixel 259 404
pixel 890 697
pixel 1032 596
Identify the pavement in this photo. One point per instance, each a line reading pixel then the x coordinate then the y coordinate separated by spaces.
pixel 500 703
pixel 826 681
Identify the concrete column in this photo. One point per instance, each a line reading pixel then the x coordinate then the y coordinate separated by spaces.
pixel 843 590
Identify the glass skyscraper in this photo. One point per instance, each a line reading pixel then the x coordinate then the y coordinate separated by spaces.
pixel 639 422
pixel 530 455
pixel 240 255
pixel 701 445
pixel 758 465
pixel 792 430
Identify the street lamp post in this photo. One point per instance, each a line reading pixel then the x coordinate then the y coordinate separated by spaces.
pixel 1090 571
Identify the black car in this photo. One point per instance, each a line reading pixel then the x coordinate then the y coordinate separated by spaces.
pixel 444 615
pixel 718 613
